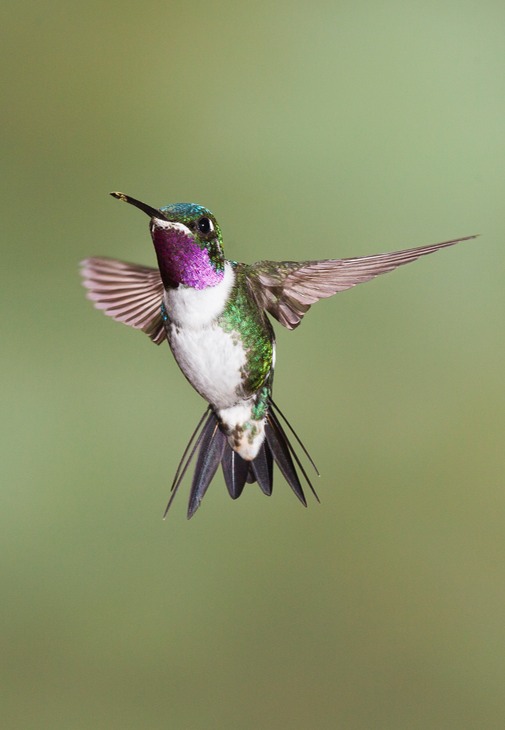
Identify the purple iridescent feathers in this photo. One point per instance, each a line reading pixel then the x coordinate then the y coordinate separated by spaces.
pixel 182 261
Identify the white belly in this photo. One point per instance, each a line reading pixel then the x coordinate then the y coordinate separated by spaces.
pixel 212 360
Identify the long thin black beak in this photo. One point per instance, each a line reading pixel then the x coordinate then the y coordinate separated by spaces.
pixel 151 212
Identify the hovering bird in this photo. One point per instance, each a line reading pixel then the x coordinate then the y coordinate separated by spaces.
pixel 213 313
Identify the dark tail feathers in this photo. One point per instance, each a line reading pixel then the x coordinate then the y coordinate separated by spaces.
pixel 213 449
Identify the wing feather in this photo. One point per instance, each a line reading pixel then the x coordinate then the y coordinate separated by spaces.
pixel 128 293
pixel 287 289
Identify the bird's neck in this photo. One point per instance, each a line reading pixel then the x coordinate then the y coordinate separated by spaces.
pixel 193 307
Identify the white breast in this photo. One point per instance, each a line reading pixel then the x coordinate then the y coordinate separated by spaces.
pixel 209 357
pixel 189 307
pixel 212 361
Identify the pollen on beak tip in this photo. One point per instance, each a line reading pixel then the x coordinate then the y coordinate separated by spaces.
pixel 120 196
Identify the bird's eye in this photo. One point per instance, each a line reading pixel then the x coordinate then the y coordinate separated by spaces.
pixel 205 225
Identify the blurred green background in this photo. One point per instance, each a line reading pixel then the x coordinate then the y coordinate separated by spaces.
pixel 312 130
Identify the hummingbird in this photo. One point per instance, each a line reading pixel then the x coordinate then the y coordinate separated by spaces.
pixel 213 312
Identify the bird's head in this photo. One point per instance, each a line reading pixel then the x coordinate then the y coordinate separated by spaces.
pixel 188 243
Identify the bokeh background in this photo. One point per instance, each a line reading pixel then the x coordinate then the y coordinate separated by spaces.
pixel 312 130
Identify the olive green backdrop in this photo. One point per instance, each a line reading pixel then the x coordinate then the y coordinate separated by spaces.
pixel 312 130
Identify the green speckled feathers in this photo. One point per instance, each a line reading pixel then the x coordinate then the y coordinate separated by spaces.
pixel 253 331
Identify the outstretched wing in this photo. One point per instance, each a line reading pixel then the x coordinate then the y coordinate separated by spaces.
pixel 286 289
pixel 129 293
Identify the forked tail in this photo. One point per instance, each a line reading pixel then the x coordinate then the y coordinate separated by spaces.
pixel 211 444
